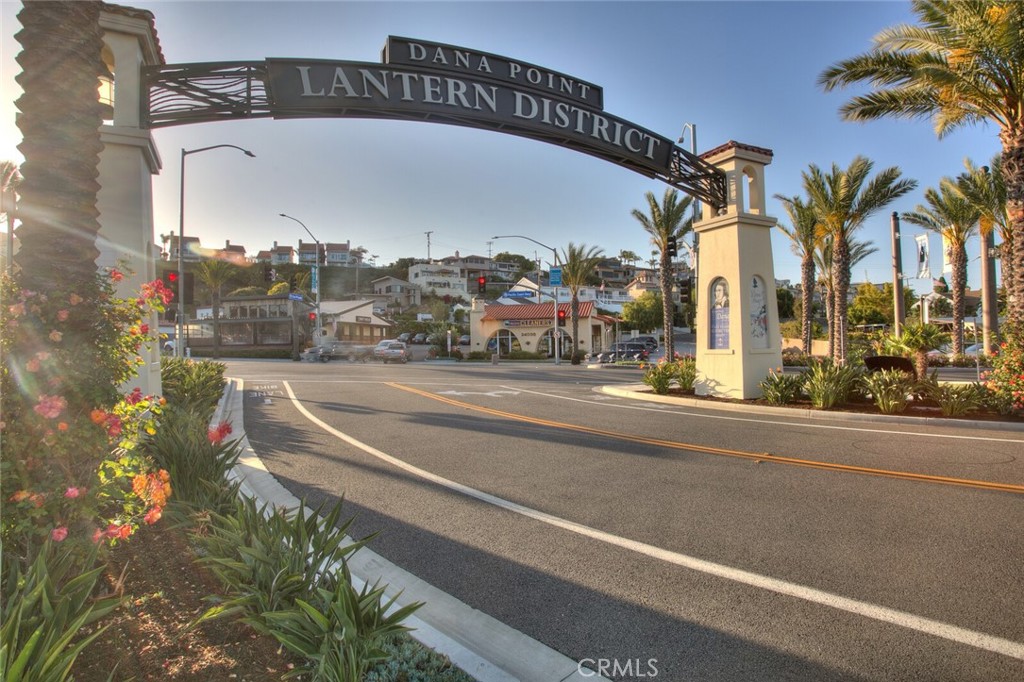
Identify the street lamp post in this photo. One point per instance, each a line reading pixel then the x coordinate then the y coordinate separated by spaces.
pixel 179 341
pixel 554 263
pixel 315 276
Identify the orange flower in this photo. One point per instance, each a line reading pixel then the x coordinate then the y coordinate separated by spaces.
pixel 139 485
pixel 97 416
pixel 62 426
pixel 152 516
pixel 75 299
pixel 20 496
pixel 56 336
pixel 58 534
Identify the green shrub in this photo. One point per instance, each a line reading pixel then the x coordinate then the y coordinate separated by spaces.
pixel 686 373
pixel 782 389
pixel 891 389
pixel 660 377
pixel 408 661
pixel 954 400
pixel 267 561
pixel 192 384
pixel 44 610
pixel 340 632
pixel 829 385
pixel 197 460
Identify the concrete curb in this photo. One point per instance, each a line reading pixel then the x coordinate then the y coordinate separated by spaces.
pixel 642 392
pixel 482 646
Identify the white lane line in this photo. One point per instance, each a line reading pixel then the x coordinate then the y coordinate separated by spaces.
pixel 798 424
pixel 884 614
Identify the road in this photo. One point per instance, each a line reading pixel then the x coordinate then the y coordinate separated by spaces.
pixel 672 541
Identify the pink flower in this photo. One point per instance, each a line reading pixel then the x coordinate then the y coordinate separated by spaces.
pixel 18 309
pixel 72 493
pixel 116 275
pixel 134 397
pixel 32 365
pixel 62 315
pixel 50 406
pixel 144 329
pixel 97 535
pixel 152 516
pixel 58 534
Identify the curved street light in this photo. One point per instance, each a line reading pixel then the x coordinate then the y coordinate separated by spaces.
pixel 315 272
pixel 554 262
pixel 179 341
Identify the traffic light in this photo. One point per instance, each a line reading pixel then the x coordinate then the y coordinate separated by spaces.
pixel 170 280
pixel 312 316
pixel 672 247
pixel 481 284
pixel 685 289
pixel 561 318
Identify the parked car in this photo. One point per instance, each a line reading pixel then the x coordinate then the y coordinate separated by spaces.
pixel 621 352
pixel 650 341
pixel 419 338
pixel 404 337
pixel 464 340
pixel 391 351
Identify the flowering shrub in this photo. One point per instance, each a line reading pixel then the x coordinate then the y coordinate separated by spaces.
pixel 660 376
pixel 1005 381
pixel 70 460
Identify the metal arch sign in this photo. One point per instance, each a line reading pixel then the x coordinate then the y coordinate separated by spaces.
pixel 426 81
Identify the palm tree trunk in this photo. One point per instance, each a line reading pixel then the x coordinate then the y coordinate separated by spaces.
pixel 840 287
pixel 958 256
pixel 666 305
pixel 1013 176
pixel 806 300
pixel 59 121
pixel 826 295
pixel 60 118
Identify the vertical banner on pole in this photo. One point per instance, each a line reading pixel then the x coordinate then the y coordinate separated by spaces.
pixel 924 270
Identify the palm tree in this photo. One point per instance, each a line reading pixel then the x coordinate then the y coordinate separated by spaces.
pixel 578 263
pixel 961 66
pixel 630 257
pixel 664 222
pixel 215 274
pixel 918 339
pixel 843 199
pixel 951 215
pixel 986 190
pixel 805 237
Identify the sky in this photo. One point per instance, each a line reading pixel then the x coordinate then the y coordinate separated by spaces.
pixel 743 71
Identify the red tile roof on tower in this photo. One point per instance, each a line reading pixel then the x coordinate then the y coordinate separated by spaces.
pixel 533 311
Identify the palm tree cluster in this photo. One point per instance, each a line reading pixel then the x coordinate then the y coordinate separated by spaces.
pixel 962 65
pixel 822 232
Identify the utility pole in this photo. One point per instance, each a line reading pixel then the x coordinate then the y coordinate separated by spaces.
pixel 897 277
pixel 428 233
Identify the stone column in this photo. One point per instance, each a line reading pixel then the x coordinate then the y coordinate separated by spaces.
pixel 127 164
pixel 738 339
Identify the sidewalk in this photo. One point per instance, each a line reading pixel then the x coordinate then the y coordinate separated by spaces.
pixel 482 646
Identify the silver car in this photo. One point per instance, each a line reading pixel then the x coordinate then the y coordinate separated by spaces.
pixel 391 351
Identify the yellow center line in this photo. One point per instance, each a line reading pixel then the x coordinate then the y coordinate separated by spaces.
pixel 756 456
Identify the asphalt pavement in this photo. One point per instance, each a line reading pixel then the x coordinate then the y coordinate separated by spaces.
pixel 484 645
